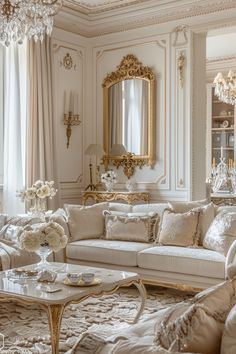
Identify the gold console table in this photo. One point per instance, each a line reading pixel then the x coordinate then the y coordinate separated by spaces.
pixel 128 197
pixel 223 199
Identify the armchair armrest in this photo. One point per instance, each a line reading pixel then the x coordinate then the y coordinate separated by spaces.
pixel 230 263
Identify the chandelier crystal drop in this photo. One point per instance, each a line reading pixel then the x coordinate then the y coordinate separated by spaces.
pixel 225 89
pixel 30 18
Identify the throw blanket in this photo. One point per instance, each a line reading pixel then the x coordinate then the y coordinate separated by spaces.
pixel 136 339
pixel 10 254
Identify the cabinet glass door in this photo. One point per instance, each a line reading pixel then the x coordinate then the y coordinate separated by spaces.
pixel 222 132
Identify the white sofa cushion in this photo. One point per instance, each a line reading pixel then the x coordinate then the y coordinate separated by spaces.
pixel 228 343
pixel 153 207
pixel 86 222
pixel 137 227
pixel 183 207
pixel 222 232
pixel 124 208
pixel 106 251
pixel 183 260
pixel 179 229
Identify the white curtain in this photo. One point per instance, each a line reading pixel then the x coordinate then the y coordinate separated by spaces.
pixel 115 112
pixel 15 96
pixel 41 148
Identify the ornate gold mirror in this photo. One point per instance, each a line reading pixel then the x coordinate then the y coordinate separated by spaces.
pixel 129 116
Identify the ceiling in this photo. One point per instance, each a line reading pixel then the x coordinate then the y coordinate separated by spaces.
pixel 91 18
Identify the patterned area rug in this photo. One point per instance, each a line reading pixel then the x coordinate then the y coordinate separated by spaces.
pixel 27 327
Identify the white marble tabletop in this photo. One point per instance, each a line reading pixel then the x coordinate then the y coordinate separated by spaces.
pixel 30 289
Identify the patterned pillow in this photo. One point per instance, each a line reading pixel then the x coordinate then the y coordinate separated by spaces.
pixel 228 343
pixel 137 227
pixel 196 325
pixel 179 229
pixel 191 329
pixel 221 233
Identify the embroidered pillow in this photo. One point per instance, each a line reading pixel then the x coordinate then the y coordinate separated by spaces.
pixel 191 329
pixel 221 233
pixel 179 229
pixel 228 343
pixel 86 222
pixel 137 227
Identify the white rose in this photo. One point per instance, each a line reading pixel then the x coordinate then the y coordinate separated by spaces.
pixel 30 193
pixel 38 184
pixel 44 191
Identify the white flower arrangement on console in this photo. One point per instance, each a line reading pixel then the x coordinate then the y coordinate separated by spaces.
pixel 37 194
pixel 43 239
pixel 109 179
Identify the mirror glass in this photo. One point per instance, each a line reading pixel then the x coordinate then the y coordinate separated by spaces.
pixel 128 117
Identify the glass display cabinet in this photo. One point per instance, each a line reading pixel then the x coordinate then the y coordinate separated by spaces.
pixel 220 132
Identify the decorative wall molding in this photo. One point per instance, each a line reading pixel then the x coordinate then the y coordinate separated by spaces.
pixel 181 65
pixel 117 16
pixel 222 64
pixel 181 37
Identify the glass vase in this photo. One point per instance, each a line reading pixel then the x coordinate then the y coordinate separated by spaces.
pixel 43 252
pixel 109 186
pixel 38 208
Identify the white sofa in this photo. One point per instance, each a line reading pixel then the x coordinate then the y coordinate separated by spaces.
pixel 180 267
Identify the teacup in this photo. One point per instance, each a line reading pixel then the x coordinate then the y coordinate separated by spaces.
pixel 73 277
pixel 87 277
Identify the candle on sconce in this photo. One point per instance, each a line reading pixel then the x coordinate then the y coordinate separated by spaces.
pixel 71 102
pixel 221 152
pixel 66 103
pixel 77 99
pixel 75 102
pixel 214 162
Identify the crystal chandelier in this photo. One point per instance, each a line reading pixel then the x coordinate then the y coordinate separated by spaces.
pixel 225 89
pixel 31 18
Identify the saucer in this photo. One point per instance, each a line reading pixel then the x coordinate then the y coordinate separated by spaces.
pixel 80 282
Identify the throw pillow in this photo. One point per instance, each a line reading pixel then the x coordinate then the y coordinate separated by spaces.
pixel 228 343
pixel 183 207
pixel 179 229
pixel 135 227
pixel 86 222
pixel 191 329
pixel 221 233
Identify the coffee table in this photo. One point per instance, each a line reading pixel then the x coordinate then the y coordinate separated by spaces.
pixel 29 291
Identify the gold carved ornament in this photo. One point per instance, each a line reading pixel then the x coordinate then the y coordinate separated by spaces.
pixel 130 68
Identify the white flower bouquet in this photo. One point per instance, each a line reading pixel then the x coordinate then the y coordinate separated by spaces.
pixel 36 194
pixel 50 235
pixel 108 176
pixel 39 189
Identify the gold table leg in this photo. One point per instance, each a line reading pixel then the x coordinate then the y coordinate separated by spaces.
pixel 143 293
pixel 55 313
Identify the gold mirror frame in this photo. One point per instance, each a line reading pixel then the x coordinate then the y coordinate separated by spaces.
pixel 130 68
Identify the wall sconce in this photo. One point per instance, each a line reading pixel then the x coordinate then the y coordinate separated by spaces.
pixel 71 115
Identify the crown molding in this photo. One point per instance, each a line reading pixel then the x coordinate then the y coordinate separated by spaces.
pixel 118 16
pixel 219 64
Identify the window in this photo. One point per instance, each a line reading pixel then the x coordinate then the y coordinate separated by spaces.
pixel 1 114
